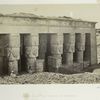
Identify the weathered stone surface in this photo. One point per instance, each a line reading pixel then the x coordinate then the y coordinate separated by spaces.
pixel 86 64
pixel 13 67
pixel 54 62
pixel 31 65
pixel 69 42
pixel 68 58
pixel 56 39
pixel 39 65
pixel 80 41
pixel 13 53
pixel 79 56
pixel 13 40
pixel 31 52
pixel 56 49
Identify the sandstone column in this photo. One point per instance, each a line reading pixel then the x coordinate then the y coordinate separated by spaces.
pixel 13 53
pixel 31 51
pixel 69 48
pixel 80 47
pixel 56 47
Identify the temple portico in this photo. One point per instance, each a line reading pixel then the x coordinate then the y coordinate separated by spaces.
pixel 27 41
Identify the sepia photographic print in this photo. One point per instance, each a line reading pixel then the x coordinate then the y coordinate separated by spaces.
pixel 50 44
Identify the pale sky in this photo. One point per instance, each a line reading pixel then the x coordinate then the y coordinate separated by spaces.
pixel 89 12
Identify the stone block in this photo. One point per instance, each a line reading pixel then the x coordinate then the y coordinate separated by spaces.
pixel 13 67
pixel 86 64
pixel 13 53
pixel 53 69
pixel 71 69
pixel 68 58
pixel 39 65
pixel 79 56
pixel 31 51
pixel 31 65
pixel 54 62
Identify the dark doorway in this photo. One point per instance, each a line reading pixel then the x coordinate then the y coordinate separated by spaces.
pixel 3 57
pixel 22 61
pixel 87 52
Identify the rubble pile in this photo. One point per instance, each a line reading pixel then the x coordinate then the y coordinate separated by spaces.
pixel 52 78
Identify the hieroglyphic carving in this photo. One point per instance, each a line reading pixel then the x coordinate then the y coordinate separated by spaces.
pixel 31 52
pixel 56 49
pixel 13 53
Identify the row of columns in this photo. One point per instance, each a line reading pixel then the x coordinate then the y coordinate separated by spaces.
pixel 67 46
pixel 13 52
pixel 56 48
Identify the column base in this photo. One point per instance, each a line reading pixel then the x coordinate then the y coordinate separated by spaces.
pixel 54 63
pixel 68 58
pixel 31 65
pixel 79 56
pixel 13 67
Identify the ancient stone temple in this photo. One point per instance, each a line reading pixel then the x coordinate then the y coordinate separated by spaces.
pixel 31 43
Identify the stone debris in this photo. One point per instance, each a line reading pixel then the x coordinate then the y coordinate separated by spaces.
pixel 52 78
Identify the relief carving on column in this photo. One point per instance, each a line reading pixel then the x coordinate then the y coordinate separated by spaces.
pixel 56 49
pixel 69 48
pixel 13 53
pixel 69 42
pixel 31 52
